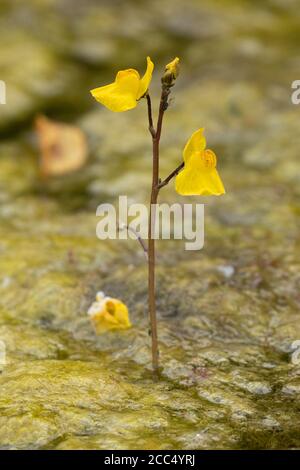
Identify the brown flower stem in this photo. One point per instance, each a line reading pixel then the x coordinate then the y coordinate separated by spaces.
pixel 156 134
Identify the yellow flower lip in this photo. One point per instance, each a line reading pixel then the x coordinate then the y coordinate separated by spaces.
pixel 123 94
pixel 208 158
pixel 108 314
pixel 199 175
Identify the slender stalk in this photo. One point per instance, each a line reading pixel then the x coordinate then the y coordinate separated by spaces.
pixel 156 134
pixel 151 259
pixel 171 175
pixel 138 237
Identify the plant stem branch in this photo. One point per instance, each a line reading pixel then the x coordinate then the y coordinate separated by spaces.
pixel 171 175
pixel 138 237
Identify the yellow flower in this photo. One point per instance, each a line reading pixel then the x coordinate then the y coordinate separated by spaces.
pixel 126 90
pixel 199 175
pixel 108 314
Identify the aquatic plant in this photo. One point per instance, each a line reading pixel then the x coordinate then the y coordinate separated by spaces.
pixel 196 175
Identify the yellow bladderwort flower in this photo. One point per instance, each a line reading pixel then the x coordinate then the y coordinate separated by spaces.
pixel 126 90
pixel 199 175
pixel 108 314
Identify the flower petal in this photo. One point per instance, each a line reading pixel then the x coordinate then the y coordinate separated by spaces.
pixel 120 313
pixel 192 183
pixel 145 81
pixel 196 143
pixel 120 95
pixel 109 314
pixel 199 176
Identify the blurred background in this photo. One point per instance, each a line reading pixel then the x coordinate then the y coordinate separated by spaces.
pixel 229 314
pixel 238 61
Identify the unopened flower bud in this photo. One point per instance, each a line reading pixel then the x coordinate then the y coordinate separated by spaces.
pixel 171 73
